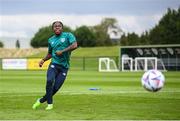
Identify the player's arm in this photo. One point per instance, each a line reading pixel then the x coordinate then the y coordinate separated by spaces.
pixel 72 47
pixel 47 57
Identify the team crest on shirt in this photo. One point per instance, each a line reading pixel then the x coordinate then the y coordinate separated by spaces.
pixel 63 39
pixel 52 66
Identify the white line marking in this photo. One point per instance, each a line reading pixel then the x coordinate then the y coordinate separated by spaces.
pixel 80 93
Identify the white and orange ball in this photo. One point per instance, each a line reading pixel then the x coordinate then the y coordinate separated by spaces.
pixel 153 80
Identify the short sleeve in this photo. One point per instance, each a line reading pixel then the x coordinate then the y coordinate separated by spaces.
pixel 71 38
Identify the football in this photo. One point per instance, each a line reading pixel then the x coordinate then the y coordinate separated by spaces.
pixel 153 80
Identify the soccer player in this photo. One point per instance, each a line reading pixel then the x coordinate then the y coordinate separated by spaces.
pixel 60 46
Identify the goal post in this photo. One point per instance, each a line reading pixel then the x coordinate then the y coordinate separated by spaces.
pixel 145 63
pixel 107 65
pixel 127 64
pixel 142 64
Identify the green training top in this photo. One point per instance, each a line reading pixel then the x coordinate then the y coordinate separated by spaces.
pixel 61 42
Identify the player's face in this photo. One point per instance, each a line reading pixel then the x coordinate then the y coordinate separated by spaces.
pixel 57 28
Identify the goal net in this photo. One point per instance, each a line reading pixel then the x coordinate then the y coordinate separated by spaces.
pixel 147 63
pixel 127 64
pixel 107 65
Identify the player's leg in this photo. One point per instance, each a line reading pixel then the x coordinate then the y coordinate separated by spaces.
pixel 51 73
pixel 59 80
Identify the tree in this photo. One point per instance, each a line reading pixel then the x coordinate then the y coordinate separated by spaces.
pixel 168 29
pixel 144 38
pixel 130 39
pixel 85 37
pixel 1 44
pixel 108 22
pixel 101 36
pixel 101 31
pixel 123 40
pixel 17 44
pixel 41 37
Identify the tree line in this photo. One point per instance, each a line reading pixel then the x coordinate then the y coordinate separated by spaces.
pixel 87 36
pixel 17 44
pixel 167 31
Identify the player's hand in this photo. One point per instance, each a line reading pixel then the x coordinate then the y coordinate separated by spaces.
pixel 58 53
pixel 41 63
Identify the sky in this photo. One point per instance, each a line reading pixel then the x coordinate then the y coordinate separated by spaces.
pixel 21 19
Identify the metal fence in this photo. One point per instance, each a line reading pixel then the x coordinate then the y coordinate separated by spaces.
pixel 91 63
pixel 88 63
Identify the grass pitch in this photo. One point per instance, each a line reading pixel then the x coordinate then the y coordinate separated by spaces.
pixel 120 96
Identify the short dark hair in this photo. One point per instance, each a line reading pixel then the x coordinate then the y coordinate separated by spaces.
pixel 57 22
